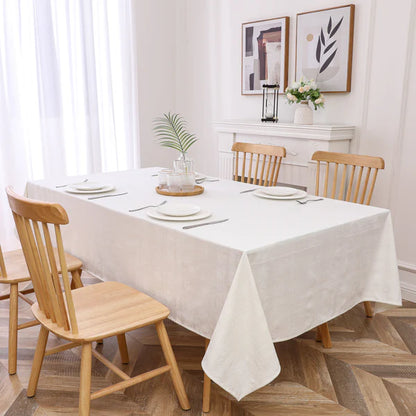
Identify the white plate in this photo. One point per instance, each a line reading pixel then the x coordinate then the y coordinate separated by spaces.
pixel 153 213
pixel 88 186
pixel 178 210
pixel 105 188
pixel 298 195
pixel 279 190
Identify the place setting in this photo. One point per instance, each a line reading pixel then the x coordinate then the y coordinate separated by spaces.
pixel 87 187
pixel 282 193
pixel 178 212
pixel 279 192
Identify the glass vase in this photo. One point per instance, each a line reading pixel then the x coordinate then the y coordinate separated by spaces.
pixel 183 164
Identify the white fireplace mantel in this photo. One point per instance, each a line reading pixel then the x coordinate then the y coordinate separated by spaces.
pixel 300 141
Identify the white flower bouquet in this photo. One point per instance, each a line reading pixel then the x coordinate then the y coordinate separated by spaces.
pixel 305 91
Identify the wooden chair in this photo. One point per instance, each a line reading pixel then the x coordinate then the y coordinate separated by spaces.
pixel 85 314
pixel 13 270
pixel 356 184
pixel 263 163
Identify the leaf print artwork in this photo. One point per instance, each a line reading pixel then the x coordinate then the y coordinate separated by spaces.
pixel 329 25
pixel 336 27
pixel 318 50
pixel 327 62
pixel 322 37
pixel 329 46
pixel 324 46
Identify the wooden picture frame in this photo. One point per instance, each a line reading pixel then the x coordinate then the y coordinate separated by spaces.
pixel 264 54
pixel 324 45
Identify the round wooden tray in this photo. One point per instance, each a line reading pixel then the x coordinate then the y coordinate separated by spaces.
pixel 198 190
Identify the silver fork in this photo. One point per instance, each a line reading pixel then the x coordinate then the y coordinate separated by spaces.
pixel 148 206
pixel 76 183
pixel 309 200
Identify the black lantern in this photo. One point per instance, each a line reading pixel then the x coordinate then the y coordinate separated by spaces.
pixel 270 102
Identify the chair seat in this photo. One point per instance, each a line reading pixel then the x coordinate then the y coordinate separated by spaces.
pixel 17 270
pixel 107 309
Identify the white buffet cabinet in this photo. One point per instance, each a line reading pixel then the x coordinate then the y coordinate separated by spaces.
pixel 300 141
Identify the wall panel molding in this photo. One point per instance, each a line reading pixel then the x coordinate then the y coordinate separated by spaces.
pixel 368 74
pixel 408 267
pixel 398 153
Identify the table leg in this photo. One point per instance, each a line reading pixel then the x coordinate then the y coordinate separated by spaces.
pixel 368 309
pixel 206 397
pixel 325 335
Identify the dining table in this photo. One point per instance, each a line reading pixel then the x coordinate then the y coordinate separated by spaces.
pixel 274 270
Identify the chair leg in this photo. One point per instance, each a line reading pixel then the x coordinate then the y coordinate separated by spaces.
pixel 13 312
pixel 368 309
pixel 76 281
pixel 206 396
pixel 85 382
pixel 174 370
pixel 37 361
pixel 122 346
pixel 325 335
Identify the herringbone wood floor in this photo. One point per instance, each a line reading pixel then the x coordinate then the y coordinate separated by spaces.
pixel 370 371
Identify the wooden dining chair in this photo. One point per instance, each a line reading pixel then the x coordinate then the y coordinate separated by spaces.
pixel 260 164
pixel 355 184
pixel 13 271
pixel 87 314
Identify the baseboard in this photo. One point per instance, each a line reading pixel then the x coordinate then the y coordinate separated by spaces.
pixel 408 280
pixel 408 292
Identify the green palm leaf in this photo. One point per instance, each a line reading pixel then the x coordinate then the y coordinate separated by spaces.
pixel 170 131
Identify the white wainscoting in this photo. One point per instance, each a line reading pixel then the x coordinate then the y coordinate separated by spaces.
pixel 300 141
pixel 408 278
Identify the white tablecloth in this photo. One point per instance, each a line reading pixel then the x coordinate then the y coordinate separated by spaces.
pixel 273 271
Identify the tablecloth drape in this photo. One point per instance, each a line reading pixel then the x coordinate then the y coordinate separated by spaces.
pixel 273 271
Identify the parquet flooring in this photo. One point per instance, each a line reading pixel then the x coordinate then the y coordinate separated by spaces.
pixel 370 371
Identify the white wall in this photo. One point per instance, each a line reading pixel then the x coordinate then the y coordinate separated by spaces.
pixel 196 76
pixel 156 50
pixel 381 104
pixel 403 183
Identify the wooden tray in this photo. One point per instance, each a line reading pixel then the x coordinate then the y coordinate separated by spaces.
pixel 198 190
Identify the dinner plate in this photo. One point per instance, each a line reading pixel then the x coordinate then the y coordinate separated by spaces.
pixel 178 210
pixel 88 186
pixel 298 195
pixel 73 189
pixel 279 191
pixel 154 213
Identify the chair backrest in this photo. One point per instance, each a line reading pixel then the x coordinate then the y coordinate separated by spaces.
pixel 263 163
pixel 349 186
pixel 33 222
pixel 3 271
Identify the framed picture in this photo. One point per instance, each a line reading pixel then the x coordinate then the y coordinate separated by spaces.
pixel 264 54
pixel 324 40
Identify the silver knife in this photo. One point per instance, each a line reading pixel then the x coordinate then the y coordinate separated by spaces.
pixel 249 190
pixel 187 227
pixel 107 196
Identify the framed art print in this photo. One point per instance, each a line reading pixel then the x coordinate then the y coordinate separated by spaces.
pixel 324 41
pixel 264 54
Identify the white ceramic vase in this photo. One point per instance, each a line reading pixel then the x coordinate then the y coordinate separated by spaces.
pixel 303 113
